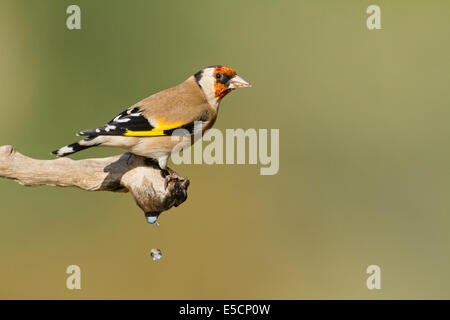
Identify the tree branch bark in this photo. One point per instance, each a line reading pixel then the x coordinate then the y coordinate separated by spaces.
pixel 128 172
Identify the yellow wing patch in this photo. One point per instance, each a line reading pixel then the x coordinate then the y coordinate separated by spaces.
pixel 158 130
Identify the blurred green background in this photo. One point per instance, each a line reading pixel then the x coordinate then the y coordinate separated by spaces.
pixel 364 158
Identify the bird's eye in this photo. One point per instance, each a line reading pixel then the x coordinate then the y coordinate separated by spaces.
pixel 218 76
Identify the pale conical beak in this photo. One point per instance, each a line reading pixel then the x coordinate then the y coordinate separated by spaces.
pixel 237 82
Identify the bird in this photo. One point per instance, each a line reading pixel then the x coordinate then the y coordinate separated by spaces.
pixel 151 127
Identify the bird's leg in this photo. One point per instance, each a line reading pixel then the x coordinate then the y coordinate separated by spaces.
pixel 173 173
pixel 167 173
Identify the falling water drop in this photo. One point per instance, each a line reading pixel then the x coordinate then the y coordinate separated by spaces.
pixel 156 254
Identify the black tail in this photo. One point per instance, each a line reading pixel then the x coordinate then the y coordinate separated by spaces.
pixel 75 147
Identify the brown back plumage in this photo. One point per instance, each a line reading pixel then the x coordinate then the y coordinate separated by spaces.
pixel 183 103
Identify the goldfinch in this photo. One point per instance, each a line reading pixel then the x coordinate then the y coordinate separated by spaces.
pixel 146 128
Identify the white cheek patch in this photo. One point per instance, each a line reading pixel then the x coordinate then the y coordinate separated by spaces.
pixel 207 84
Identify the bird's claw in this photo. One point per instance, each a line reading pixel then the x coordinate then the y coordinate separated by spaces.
pixel 172 176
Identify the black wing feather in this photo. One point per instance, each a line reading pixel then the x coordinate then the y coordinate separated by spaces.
pixel 130 119
pixel 133 120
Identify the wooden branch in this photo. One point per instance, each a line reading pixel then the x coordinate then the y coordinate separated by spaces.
pixel 128 172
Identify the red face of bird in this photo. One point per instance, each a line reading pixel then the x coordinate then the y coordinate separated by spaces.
pixel 217 81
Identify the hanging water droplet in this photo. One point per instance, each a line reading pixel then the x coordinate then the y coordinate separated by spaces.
pixel 152 219
pixel 156 254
